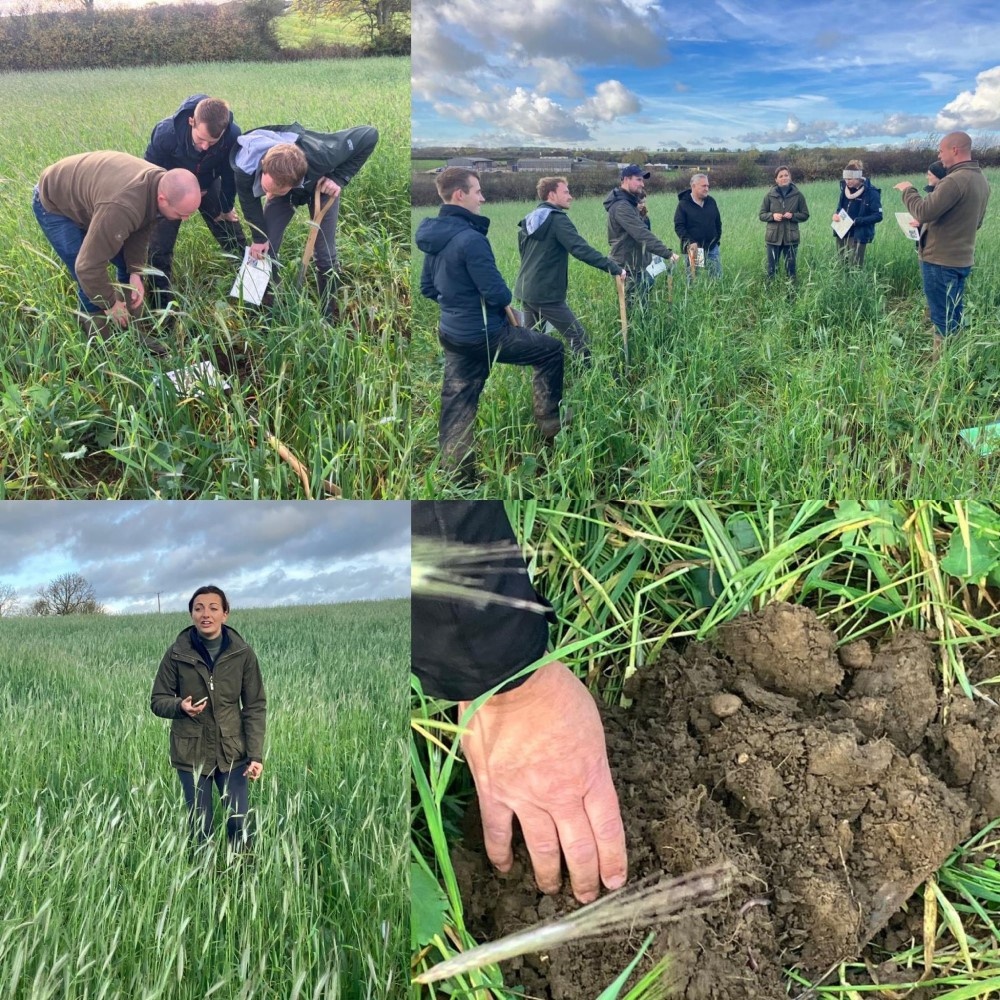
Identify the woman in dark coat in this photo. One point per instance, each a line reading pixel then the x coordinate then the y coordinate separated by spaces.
pixel 209 684
pixel 862 202
pixel 783 208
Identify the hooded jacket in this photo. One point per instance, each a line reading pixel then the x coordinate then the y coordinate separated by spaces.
pixel 786 232
pixel 230 731
pixel 461 648
pixel 694 223
pixel 865 210
pixel 460 274
pixel 170 146
pixel 632 242
pixel 951 215
pixel 545 238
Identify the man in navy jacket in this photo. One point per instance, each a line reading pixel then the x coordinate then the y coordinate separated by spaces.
pixel 461 275
pixel 198 137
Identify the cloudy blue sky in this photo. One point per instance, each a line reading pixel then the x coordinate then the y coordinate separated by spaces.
pixel 623 73
pixel 262 553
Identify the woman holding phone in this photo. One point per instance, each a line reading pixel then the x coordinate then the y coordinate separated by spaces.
pixel 209 684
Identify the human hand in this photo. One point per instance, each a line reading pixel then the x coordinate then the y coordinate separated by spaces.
pixel 258 250
pixel 674 258
pixel 138 292
pixel 777 216
pixel 196 708
pixel 538 752
pixel 787 215
pixel 118 313
pixel 254 770
pixel 229 216
pixel 836 217
pixel 902 186
pixel 330 187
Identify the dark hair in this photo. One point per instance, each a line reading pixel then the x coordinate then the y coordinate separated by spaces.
pixel 778 171
pixel 209 590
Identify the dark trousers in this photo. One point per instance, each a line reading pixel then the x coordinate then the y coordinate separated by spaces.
pixel 466 368
pixel 775 251
pixel 851 251
pixel 232 786
pixel 229 236
pixel 563 319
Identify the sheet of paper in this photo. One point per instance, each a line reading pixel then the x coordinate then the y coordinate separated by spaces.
pixel 842 225
pixel 251 281
pixel 909 225
pixel 984 440
pixel 656 266
pixel 185 380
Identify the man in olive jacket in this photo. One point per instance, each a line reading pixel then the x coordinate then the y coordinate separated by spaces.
pixel 224 740
pixel 546 237
pixel 950 217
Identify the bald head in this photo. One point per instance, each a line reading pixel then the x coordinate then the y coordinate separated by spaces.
pixel 178 194
pixel 955 147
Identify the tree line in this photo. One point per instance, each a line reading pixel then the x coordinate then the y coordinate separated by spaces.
pixel 69 594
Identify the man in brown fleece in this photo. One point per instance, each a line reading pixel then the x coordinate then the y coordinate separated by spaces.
pixel 949 216
pixel 98 209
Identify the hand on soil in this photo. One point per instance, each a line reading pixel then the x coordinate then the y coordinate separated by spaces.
pixel 538 752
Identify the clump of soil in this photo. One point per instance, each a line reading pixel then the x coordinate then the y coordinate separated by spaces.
pixel 825 778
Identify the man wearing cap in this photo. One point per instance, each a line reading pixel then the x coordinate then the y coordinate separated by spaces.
pixel 98 209
pixel 546 237
pixel 949 216
pixel 632 241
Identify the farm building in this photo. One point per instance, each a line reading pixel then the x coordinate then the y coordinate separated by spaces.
pixel 472 162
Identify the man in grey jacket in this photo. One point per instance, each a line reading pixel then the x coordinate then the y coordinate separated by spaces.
pixel 546 237
pixel 950 217
pixel 632 241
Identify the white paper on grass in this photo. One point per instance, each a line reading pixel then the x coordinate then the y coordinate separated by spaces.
pixel 842 224
pixel 656 266
pixel 252 279
pixel 185 380
pixel 909 225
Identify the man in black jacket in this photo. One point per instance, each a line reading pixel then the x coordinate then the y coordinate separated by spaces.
pixel 461 275
pixel 698 226
pixel 536 749
pixel 198 137
pixel 546 237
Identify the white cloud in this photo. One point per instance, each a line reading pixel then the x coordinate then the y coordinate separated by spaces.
pixel 979 108
pixel 941 83
pixel 612 100
pixel 522 113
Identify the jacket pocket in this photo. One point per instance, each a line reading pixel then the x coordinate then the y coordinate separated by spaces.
pixel 773 234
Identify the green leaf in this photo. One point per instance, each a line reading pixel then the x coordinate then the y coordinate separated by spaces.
pixel 973 562
pixel 614 990
pixel 428 906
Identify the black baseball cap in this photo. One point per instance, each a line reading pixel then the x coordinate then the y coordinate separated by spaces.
pixel 632 170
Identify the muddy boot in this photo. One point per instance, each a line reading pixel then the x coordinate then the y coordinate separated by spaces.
pixel 456 430
pixel 230 237
pixel 546 411
pixel 96 326
pixel 328 283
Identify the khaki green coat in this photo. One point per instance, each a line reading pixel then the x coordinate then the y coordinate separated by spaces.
pixel 230 731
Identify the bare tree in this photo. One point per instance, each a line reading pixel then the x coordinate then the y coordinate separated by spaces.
pixel 8 600
pixel 69 594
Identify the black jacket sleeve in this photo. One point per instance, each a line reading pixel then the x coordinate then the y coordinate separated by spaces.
pixel 459 647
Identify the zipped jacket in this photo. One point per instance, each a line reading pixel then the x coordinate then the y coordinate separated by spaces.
pixel 545 238
pixel 460 273
pixel 865 210
pixel 230 731
pixel 170 146
pixel 786 232
pixel 631 240
pixel 694 223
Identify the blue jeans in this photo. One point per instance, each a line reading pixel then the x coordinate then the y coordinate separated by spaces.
pixel 943 287
pixel 713 263
pixel 66 238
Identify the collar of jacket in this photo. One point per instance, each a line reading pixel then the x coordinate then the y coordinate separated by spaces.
pixel 628 196
pixel 478 222
pixel 202 650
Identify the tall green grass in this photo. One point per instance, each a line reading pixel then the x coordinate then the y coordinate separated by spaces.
pixel 89 421
pixel 736 388
pixel 98 896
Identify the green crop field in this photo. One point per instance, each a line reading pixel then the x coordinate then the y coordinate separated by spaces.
pixel 101 421
pixel 736 388
pixel 99 895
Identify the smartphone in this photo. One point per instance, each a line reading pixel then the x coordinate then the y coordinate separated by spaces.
pixel 202 702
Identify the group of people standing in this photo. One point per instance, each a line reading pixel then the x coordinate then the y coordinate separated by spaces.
pixel 110 207
pixel 478 328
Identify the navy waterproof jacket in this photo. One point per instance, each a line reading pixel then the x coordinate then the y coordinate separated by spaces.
pixel 866 211
pixel 170 147
pixel 460 274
